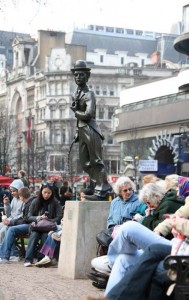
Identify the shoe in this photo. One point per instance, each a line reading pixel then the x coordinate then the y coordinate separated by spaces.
pixel 45 260
pixel 4 261
pixel 14 258
pixel 101 264
pixel 27 264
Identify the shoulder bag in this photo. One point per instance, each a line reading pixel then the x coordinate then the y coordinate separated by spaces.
pixel 43 225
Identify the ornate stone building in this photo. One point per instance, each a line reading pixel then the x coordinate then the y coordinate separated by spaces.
pixel 37 123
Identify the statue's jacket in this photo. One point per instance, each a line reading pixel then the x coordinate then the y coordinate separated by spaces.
pixel 86 110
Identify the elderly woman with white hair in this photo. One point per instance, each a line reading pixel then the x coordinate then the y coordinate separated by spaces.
pixel 126 203
pixel 160 201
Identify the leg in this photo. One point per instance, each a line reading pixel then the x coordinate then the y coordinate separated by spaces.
pixel 122 265
pixel 32 243
pixel 139 277
pixel 49 247
pixel 131 237
pixel 159 284
pixel 3 230
pixel 9 240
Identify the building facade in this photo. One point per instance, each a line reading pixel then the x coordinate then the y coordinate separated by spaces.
pixel 35 95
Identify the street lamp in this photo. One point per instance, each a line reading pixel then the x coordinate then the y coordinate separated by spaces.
pixel 19 141
pixel 136 162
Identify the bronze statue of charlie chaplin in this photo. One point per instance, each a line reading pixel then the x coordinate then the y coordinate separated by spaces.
pixel 89 134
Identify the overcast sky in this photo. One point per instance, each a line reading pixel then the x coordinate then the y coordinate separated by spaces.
pixel 31 15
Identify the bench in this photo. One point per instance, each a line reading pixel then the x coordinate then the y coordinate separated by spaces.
pixel 20 244
pixel 180 265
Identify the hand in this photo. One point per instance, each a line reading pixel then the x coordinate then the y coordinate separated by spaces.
pixel 147 212
pixel 76 137
pixel 6 222
pixel 44 217
pixel 137 217
pixel 5 200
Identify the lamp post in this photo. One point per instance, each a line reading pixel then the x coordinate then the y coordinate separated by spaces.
pixel 19 141
pixel 136 161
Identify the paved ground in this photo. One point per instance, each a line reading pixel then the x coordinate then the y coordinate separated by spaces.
pixel 20 283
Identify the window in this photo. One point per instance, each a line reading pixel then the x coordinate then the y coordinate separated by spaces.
pixel 101 58
pixel 110 140
pixel 41 114
pixel 104 92
pixel 59 88
pixel 111 93
pixel 110 112
pixel 52 88
pixel 37 139
pixel 122 60
pixel 40 139
pixel 44 142
pixel 57 163
pixel 52 112
pixel 119 30
pixel 63 133
pixel 57 138
pixel 43 91
pixel 101 112
pixel 97 91
pixel 130 31
pixel 139 32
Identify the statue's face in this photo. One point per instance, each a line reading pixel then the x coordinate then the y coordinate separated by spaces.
pixel 80 77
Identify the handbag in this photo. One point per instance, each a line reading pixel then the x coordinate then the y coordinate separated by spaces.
pixel 43 225
pixel 104 237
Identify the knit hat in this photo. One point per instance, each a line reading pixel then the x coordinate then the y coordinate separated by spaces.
pixel 17 184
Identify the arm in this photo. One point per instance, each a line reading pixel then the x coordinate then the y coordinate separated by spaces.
pixel 90 108
pixel 110 221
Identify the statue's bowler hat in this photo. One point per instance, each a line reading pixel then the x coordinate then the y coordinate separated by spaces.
pixel 80 65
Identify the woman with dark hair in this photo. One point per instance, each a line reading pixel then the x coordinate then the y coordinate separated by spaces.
pixel 45 206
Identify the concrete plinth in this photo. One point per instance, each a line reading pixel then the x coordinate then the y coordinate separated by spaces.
pixel 82 221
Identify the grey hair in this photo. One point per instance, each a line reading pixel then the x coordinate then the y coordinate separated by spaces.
pixel 172 181
pixel 151 192
pixel 121 182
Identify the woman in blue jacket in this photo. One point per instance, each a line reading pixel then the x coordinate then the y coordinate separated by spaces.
pixel 126 204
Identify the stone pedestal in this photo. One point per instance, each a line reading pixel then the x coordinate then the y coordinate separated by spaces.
pixel 82 221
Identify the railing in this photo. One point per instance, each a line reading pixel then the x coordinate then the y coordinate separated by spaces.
pixel 154 102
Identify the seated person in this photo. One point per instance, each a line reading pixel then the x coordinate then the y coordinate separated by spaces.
pixel 125 250
pixel 50 246
pixel 45 202
pixel 147 276
pixel 16 227
pixel 12 210
pixel 126 203
pixel 159 201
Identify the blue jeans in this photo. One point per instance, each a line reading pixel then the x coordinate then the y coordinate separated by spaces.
pixel 124 251
pixel 147 279
pixel 34 238
pixel 9 244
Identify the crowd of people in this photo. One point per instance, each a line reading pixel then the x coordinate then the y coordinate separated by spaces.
pixel 148 223
pixel 134 261
pixel 23 206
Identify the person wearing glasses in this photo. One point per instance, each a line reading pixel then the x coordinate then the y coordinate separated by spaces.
pixel 133 237
pixel 126 204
